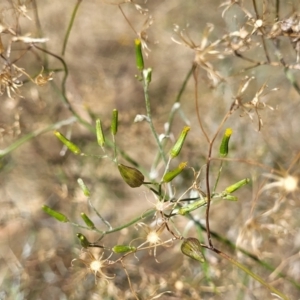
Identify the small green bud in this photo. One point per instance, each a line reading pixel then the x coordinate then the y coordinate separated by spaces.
pixel 169 176
pixel 100 134
pixel 114 122
pixel 236 186
pixel 147 75
pixel 123 249
pixel 83 240
pixel 56 215
pixel 192 206
pixel 132 176
pixel 139 54
pixel 71 146
pixel 191 247
pixel 225 141
pixel 87 221
pixel 83 187
pixel 178 145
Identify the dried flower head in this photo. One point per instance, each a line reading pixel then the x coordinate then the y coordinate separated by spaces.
pixel 287 183
pixel 255 104
pixel 205 51
pixel 94 265
pixel 9 81
pixel 153 238
pixel 41 79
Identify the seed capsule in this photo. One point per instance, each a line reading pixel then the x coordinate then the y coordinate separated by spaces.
pixel 191 247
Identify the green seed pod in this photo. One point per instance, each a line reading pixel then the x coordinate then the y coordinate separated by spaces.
pixel 178 145
pixel 169 176
pixel 225 142
pixel 139 54
pixel 100 134
pixel 123 249
pixel 87 221
pixel 56 215
pixel 133 177
pixel 71 146
pixel 83 240
pixel 191 247
pixel 83 187
pixel 236 186
pixel 114 122
pixel 147 75
pixel 191 207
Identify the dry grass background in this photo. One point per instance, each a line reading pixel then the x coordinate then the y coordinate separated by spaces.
pixel 36 251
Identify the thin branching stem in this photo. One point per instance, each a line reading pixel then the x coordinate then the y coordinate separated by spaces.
pixel 34 134
pixel 250 273
pixel 149 115
pixel 195 74
pixel 40 32
pixel 70 27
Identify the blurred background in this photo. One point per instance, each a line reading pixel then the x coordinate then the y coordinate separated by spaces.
pixel 36 251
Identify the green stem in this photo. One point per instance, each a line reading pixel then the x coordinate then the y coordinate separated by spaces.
pixel 34 134
pixel 145 215
pixel 148 109
pixel 173 110
pixel 218 177
pixel 253 275
pixel 70 27
pixel 230 244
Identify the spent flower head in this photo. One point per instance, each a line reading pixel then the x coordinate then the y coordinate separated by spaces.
pixel 153 237
pixel 94 265
pixel 9 80
pixel 255 104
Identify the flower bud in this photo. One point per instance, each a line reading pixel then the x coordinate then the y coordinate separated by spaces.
pixel 56 215
pixel 87 221
pixel 83 240
pixel 191 247
pixel 192 206
pixel 225 142
pixel 169 176
pixel 83 187
pixel 100 134
pixel 178 145
pixel 71 146
pixel 132 176
pixel 139 54
pixel 123 249
pixel 114 122
pixel 236 186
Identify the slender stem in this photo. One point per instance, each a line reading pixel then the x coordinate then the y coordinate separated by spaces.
pixel 34 134
pixel 209 158
pixel 253 275
pixel 40 32
pixel 148 109
pixel 230 244
pixel 218 177
pixel 70 27
pixel 98 214
pixel 174 110
pixel 145 215
pixel 195 74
